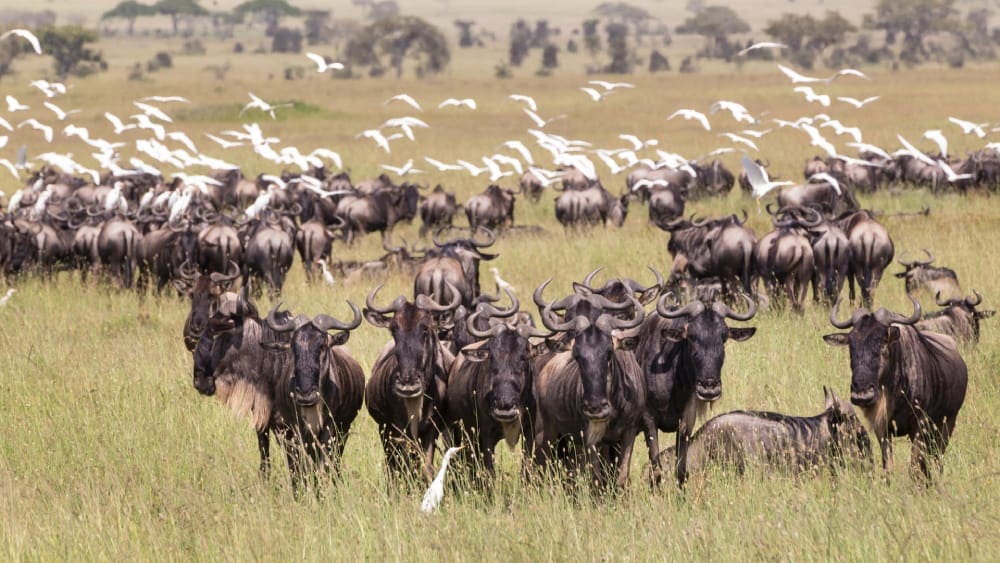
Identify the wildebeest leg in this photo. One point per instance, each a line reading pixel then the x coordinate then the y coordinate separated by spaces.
pixel 681 447
pixel 427 454
pixel 850 285
pixel 293 453
pixel 264 447
pixel 652 435
pixel 625 457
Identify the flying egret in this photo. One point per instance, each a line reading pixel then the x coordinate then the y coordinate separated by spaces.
pixel 406 99
pixel 377 136
pixel 856 102
pixel 257 103
pixel 165 99
pixel 762 45
pixel 595 95
pixel 35 124
pixel 153 111
pixel 812 96
pixel 223 142
pixel 738 111
pixel 526 99
pixel 690 114
pixel 24 33
pixel 403 170
pixel 60 113
pixel 521 149
pixel 950 173
pixel 636 142
pixel 757 176
pixel 442 166
pixel 939 139
pixel 969 127
pixel 914 151
pixel 50 89
pixel 737 139
pixel 824 177
pixel 14 105
pixel 434 494
pixel 541 123
pixel 609 86
pixel 756 134
pixel 869 148
pixel 322 65
pixel 117 123
pixel 465 102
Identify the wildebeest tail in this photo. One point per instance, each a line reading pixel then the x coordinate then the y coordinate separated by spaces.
pixel 867 244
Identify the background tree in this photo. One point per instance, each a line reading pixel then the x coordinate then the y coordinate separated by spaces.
pixel 465 38
pixel 791 29
pixel 399 39
pixel 591 40
pixel 178 9
pixel 520 42
pixel 10 49
pixel 550 57
pixel 69 47
pixel 620 63
pixel 831 30
pixel 271 10
pixel 317 27
pixel 623 12
pixel 914 20
pixel 129 10
pixel 715 24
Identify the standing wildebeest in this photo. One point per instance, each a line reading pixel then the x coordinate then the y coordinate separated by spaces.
pixel 492 209
pixel 681 179
pixel 711 180
pixel 907 382
pixel 531 186
pixel 379 210
pixel 489 398
pixel 935 280
pixel 959 319
pixel 871 252
pixel 589 206
pixel 314 241
pixel 437 210
pixel 269 253
pixel 665 205
pixel 784 259
pixel 407 385
pixel 204 290
pixel 117 247
pixel 821 196
pixel 831 258
pixel 681 352
pixel 218 245
pixel 741 439
pixel 592 395
pixel 721 248
pixel 454 262
pixel 302 389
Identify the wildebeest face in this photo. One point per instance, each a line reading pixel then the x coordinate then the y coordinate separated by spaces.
pixel 848 434
pixel 706 335
pixel 592 350
pixel 509 371
pixel 868 343
pixel 311 352
pixel 212 347
pixel 413 333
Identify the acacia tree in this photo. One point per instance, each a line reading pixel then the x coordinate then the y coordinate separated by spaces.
pixel 129 10
pixel 68 46
pixel 914 20
pixel 398 39
pixel 271 10
pixel 715 24
pixel 178 9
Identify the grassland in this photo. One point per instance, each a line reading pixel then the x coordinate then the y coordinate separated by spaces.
pixel 107 452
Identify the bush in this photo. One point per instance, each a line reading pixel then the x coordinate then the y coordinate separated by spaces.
pixel 193 47
pixel 502 70
pixel 287 40
pixel 163 60
pixel 238 48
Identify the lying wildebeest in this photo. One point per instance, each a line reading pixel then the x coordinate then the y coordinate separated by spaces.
pixel 681 353
pixel 959 319
pixel 437 210
pixel 906 381
pixel 492 209
pixel 871 252
pixel 741 439
pixel 592 395
pixel 489 394
pixel 301 388
pixel 406 390
pixel 935 280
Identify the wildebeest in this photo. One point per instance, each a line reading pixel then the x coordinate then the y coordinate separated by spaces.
pixel 379 211
pixel 713 179
pixel 831 258
pixel 821 196
pixel 454 262
pixel 681 352
pixel 437 210
pixel 784 260
pixel 204 290
pixel 665 205
pixel 871 252
pixel 117 246
pixel 907 382
pixel 269 253
pixel 959 319
pixel 592 395
pixel 301 388
pixel 314 241
pixel 218 245
pixel 406 390
pixel 489 394
pixel 492 209
pixel 721 248
pixel 583 207
pixel 741 439
pixel 935 280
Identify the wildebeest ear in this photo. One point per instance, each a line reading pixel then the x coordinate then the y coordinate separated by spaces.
pixel 674 334
pixel 626 343
pixel 181 286
pixel 836 339
pixel 984 314
pixel 340 338
pixel 377 319
pixel 739 334
pixel 476 354
pixel 557 346
pixel 893 334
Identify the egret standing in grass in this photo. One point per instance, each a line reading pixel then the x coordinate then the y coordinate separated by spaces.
pixel 434 494
pixel 12 291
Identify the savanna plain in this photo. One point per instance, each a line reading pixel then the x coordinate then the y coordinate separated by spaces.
pixel 108 452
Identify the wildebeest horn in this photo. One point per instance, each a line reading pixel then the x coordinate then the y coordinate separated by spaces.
pixel 290 325
pixel 491 311
pixel 590 277
pixel 817 218
pixel 770 211
pixel 619 323
pixel 179 226
pixel 489 235
pixel 436 241
pixel 326 322
pixel 550 321
pixel 427 303
pixel 970 302
pixel 698 222
pixel 470 325
pixel 858 313
pixel 692 309
pixel 723 310
pixel 937 299
pixel 745 217
pixel 913 318
pixel 234 271
pixel 337 223
pixel 392 308
pixel 930 259
pixel 536 296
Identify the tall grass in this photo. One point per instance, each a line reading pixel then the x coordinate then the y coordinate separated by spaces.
pixel 107 452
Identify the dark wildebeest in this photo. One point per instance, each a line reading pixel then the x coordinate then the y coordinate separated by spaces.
pixel 711 180
pixel 831 258
pixel 437 210
pixel 269 253
pixel 590 206
pixel 784 259
pixel 959 319
pixel 531 186
pixel 218 245
pixel 821 196
pixel 681 179
pixel 681 353
pixel 314 241
pixel 379 211
pixel 591 395
pixel 935 280
pixel 406 390
pixel 742 439
pixel 204 291
pixel 489 398
pixel 454 262
pixel 871 252
pixel 492 209
pixel 721 248
pixel 665 205
pixel 907 382
pixel 302 389
pixel 117 247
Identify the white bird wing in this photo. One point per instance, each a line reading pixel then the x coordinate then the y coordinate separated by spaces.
pixel 320 61
pixel 441 166
pixel 405 98
pixel 594 94
pixel 850 72
pixel 153 111
pixel 535 117
pixel 939 139
pixel 183 139
pixel 866 147
pixel 796 77
pixel 526 99
pixel 5 124
pixel 636 143
pixel 968 127
pixel 914 151
pixel 470 103
pixel 755 172
pixel 690 114
pixel 35 44
pixel 10 166
pixel 520 148
pixel 828 179
pixel 762 45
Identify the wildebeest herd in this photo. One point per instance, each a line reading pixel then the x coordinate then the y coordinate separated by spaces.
pixel 461 366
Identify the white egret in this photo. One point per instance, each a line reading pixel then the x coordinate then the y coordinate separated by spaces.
pixel 435 493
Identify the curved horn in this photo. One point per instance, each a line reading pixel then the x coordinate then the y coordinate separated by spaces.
pixel 490 235
pixel 491 311
pixel 913 318
pixel 624 324
pixel 392 308
pixel 937 299
pixel 326 322
pixel 692 309
pixel 427 303
pixel 723 310
pixel 436 241
pixel 536 296
pixel 815 221
pixel 970 302
pixel 930 259
pixel 833 318
pixel 699 222
pixel 290 325
pixel 232 274
pixel 770 211
pixel 590 277
pixel 470 325
pixel 550 322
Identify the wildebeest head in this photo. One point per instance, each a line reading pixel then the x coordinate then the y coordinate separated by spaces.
pixel 704 331
pixel 204 293
pixel 968 307
pixel 311 344
pixel 847 434
pixel 590 321
pixel 870 342
pixel 223 332
pixel 619 289
pixel 414 332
